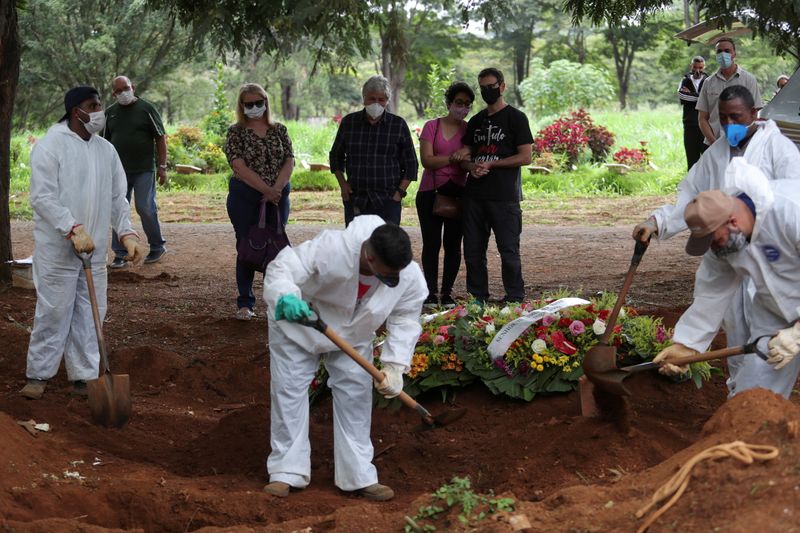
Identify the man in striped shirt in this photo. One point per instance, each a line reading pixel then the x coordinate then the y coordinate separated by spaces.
pixel 688 90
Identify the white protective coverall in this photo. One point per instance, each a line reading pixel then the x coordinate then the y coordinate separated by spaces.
pixel 772 262
pixel 72 182
pixel 777 157
pixel 325 272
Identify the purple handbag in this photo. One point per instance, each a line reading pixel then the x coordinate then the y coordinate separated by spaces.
pixel 263 241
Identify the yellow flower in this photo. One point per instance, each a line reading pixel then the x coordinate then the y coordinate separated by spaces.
pixel 539 368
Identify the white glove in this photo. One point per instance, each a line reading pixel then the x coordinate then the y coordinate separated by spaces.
pixel 392 384
pixel 644 230
pixel 784 346
pixel 674 351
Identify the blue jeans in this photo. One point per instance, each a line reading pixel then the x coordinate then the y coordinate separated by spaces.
pixel 390 211
pixel 143 185
pixel 244 204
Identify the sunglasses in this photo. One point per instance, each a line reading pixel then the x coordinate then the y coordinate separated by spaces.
pixel 251 105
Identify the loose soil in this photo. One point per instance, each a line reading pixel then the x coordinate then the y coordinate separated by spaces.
pixel 193 455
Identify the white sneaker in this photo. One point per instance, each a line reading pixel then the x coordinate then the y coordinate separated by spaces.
pixel 244 313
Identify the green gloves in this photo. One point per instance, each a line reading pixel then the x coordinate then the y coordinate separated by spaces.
pixel 292 308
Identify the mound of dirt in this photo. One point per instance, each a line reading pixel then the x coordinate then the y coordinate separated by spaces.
pixel 723 495
pixel 117 276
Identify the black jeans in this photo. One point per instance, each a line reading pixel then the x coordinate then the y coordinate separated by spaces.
pixel 480 218
pixel 438 232
pixel 390 210
pixel 693 143
pixel 244 205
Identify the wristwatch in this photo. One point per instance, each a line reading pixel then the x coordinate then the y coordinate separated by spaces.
pixel 401 192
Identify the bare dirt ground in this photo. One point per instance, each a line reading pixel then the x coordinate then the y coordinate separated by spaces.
pixel 193 455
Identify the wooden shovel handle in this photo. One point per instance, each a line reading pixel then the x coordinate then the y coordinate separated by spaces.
pixel 86 259
pixel 751 347
pixel 376 374
pixel 638 252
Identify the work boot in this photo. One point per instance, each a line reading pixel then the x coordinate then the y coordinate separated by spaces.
pixel 376 493
pixel 154 257
pixel 277 488
pixel 34 389
pixel 117 263
pixel 79 389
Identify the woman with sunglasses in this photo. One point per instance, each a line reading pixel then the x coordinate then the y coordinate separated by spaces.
pixel 440 145
pixel 260 154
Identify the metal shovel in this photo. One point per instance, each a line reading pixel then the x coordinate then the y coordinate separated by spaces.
pixel 109 394
pixel 600 362
pixel 429 421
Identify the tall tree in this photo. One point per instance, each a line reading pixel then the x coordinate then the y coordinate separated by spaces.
pixel 74 42
pixel 9 78
pixel 625 39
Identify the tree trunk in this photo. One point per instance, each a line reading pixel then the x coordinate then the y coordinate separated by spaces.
pixel 288 107
pixel 687 14
pixel 9 78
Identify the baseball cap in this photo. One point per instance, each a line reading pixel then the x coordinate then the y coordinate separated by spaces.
pixel 75 97
pixel 704 215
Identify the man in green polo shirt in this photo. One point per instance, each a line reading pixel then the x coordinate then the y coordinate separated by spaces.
pixel 135 129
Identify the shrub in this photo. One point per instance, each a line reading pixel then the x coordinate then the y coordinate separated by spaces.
pixel 635 157
pixel 599 138
pixel 214 158
pixel 564 136
pixel 564 85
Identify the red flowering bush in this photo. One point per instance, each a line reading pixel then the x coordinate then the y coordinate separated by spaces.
pixel 570 135
pixel 564 136
pixel 634 157
pixel 599 138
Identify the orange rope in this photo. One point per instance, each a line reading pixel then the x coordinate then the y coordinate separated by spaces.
pixel 675 487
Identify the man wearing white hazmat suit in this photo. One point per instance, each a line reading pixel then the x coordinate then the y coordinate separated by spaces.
pixel 77 190
pixel 356 279
pixel 761 144
pixel 752 229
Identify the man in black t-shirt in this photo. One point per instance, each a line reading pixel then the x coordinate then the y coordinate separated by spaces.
pixel 498 142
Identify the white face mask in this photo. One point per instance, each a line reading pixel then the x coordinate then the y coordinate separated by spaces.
pixel 255 112
pixel 126 97
pixel 375 110
pixel 97 121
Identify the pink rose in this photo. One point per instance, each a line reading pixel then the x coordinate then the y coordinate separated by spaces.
pixel 577 327
pixel 444 330
pixel 438 339
pixel 548 319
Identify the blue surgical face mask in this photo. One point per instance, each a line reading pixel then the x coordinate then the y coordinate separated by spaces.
pixel 735 133
pixel 389 281
pixel 724 59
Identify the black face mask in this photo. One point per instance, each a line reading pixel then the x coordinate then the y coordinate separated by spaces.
pixel 389 281
pixel 490 94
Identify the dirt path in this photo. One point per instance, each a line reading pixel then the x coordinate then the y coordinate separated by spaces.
pixel 194 453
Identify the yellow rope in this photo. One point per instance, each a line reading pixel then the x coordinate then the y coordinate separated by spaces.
pixel 675 487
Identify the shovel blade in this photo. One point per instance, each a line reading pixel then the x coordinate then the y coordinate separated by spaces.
pixel 110 399
pixel 442 419
pixel 600 366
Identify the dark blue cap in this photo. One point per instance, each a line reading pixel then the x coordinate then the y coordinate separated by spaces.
pixel 75 97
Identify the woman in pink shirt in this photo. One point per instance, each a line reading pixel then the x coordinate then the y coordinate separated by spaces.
pixel 440 141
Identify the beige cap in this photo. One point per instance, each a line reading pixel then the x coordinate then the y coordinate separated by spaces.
pixel 704 215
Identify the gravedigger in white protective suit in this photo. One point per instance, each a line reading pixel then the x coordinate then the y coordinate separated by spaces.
pixel 356 279
pixel 753 230
pixel 761 144
pixel 77 191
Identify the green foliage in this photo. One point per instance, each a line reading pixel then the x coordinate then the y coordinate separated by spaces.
pixel 459 495
pixel 563 86
pixel 74 42
pixel 308 180
pixel 438 81
pixel 192 146
pixel 219 118
pixel 198 182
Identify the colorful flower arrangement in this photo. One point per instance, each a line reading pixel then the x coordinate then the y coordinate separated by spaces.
pixel 452 350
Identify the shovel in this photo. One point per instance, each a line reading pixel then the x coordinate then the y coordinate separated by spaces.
pixel 753 347
pixel 109 394
pixel 429 421
pixel 600 362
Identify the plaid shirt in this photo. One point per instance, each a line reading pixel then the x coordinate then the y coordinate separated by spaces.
pixel 375 157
